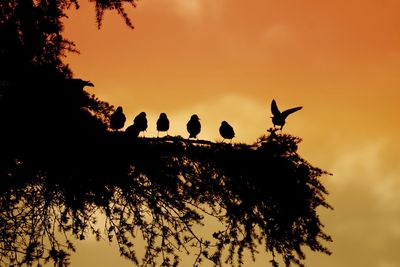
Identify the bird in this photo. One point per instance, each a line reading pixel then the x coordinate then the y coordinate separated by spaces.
pixel 280 117
pixel 117 119
pixel 132 131
pixel 162 124
pixel 140 122
pixel 79 83
pixel 73 91
pixel 226 131
pixel 193 126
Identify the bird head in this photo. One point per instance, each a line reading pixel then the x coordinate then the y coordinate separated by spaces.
pixel 142 114
pixel 194 117
pixel 163 115
pixel 88 83
pixel 81 83
pixel 119 109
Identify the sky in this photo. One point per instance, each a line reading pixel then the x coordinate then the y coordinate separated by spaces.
pixel 227 60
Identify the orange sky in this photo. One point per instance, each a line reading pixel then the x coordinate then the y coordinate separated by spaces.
pixel 227 59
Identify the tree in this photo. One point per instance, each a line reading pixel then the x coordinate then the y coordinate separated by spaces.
pixel 57 174
pixel 32 31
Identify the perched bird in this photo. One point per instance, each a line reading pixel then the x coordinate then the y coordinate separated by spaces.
pixel 226 131
pixel 79 83
pixel 162 123
pixel 83 83
pixel 140 122
pixel 117 119
pixel 193 126
pixel 74 92
pixel 280 117
pixel 132 131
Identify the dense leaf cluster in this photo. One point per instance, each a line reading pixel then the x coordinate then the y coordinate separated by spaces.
pixel 152 190
pixel 31 32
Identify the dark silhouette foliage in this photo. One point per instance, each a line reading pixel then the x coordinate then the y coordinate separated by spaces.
pixel 31 32
pixel 61 166
pixel 163 188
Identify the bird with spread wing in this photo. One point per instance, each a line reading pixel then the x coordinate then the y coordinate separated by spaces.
pixel 280 117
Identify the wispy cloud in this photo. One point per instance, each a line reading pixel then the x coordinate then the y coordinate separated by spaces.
pixel 196 11
pixel 192 9
pixel 278 34
pixel 365 191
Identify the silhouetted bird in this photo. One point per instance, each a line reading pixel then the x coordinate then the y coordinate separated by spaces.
pixel 280 117
pixel 226 131
pixel 81 83
pixel 74 89
pixel 132 131
pixel 193 126
pixel 77 83
pixel 117 119
pixel 162 123
pixel 140 122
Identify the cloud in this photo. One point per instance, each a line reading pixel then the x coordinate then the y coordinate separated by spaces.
pixel 278 34
pixel 370 166
pixel 359 160
pixel 196 11
pixel 189 9
pixel 365 192
pixel 388 264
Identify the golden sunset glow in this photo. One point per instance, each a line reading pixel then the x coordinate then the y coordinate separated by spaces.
pixel 227 60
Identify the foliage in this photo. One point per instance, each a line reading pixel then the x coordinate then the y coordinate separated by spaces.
pixel 160 190
pixel 31 32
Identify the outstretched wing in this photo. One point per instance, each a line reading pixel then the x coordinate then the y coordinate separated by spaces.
pixel 290 111
pixel 274 108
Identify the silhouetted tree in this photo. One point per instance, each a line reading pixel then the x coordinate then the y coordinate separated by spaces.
pixel 60 167
pixel 31 34
pixel 263 193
